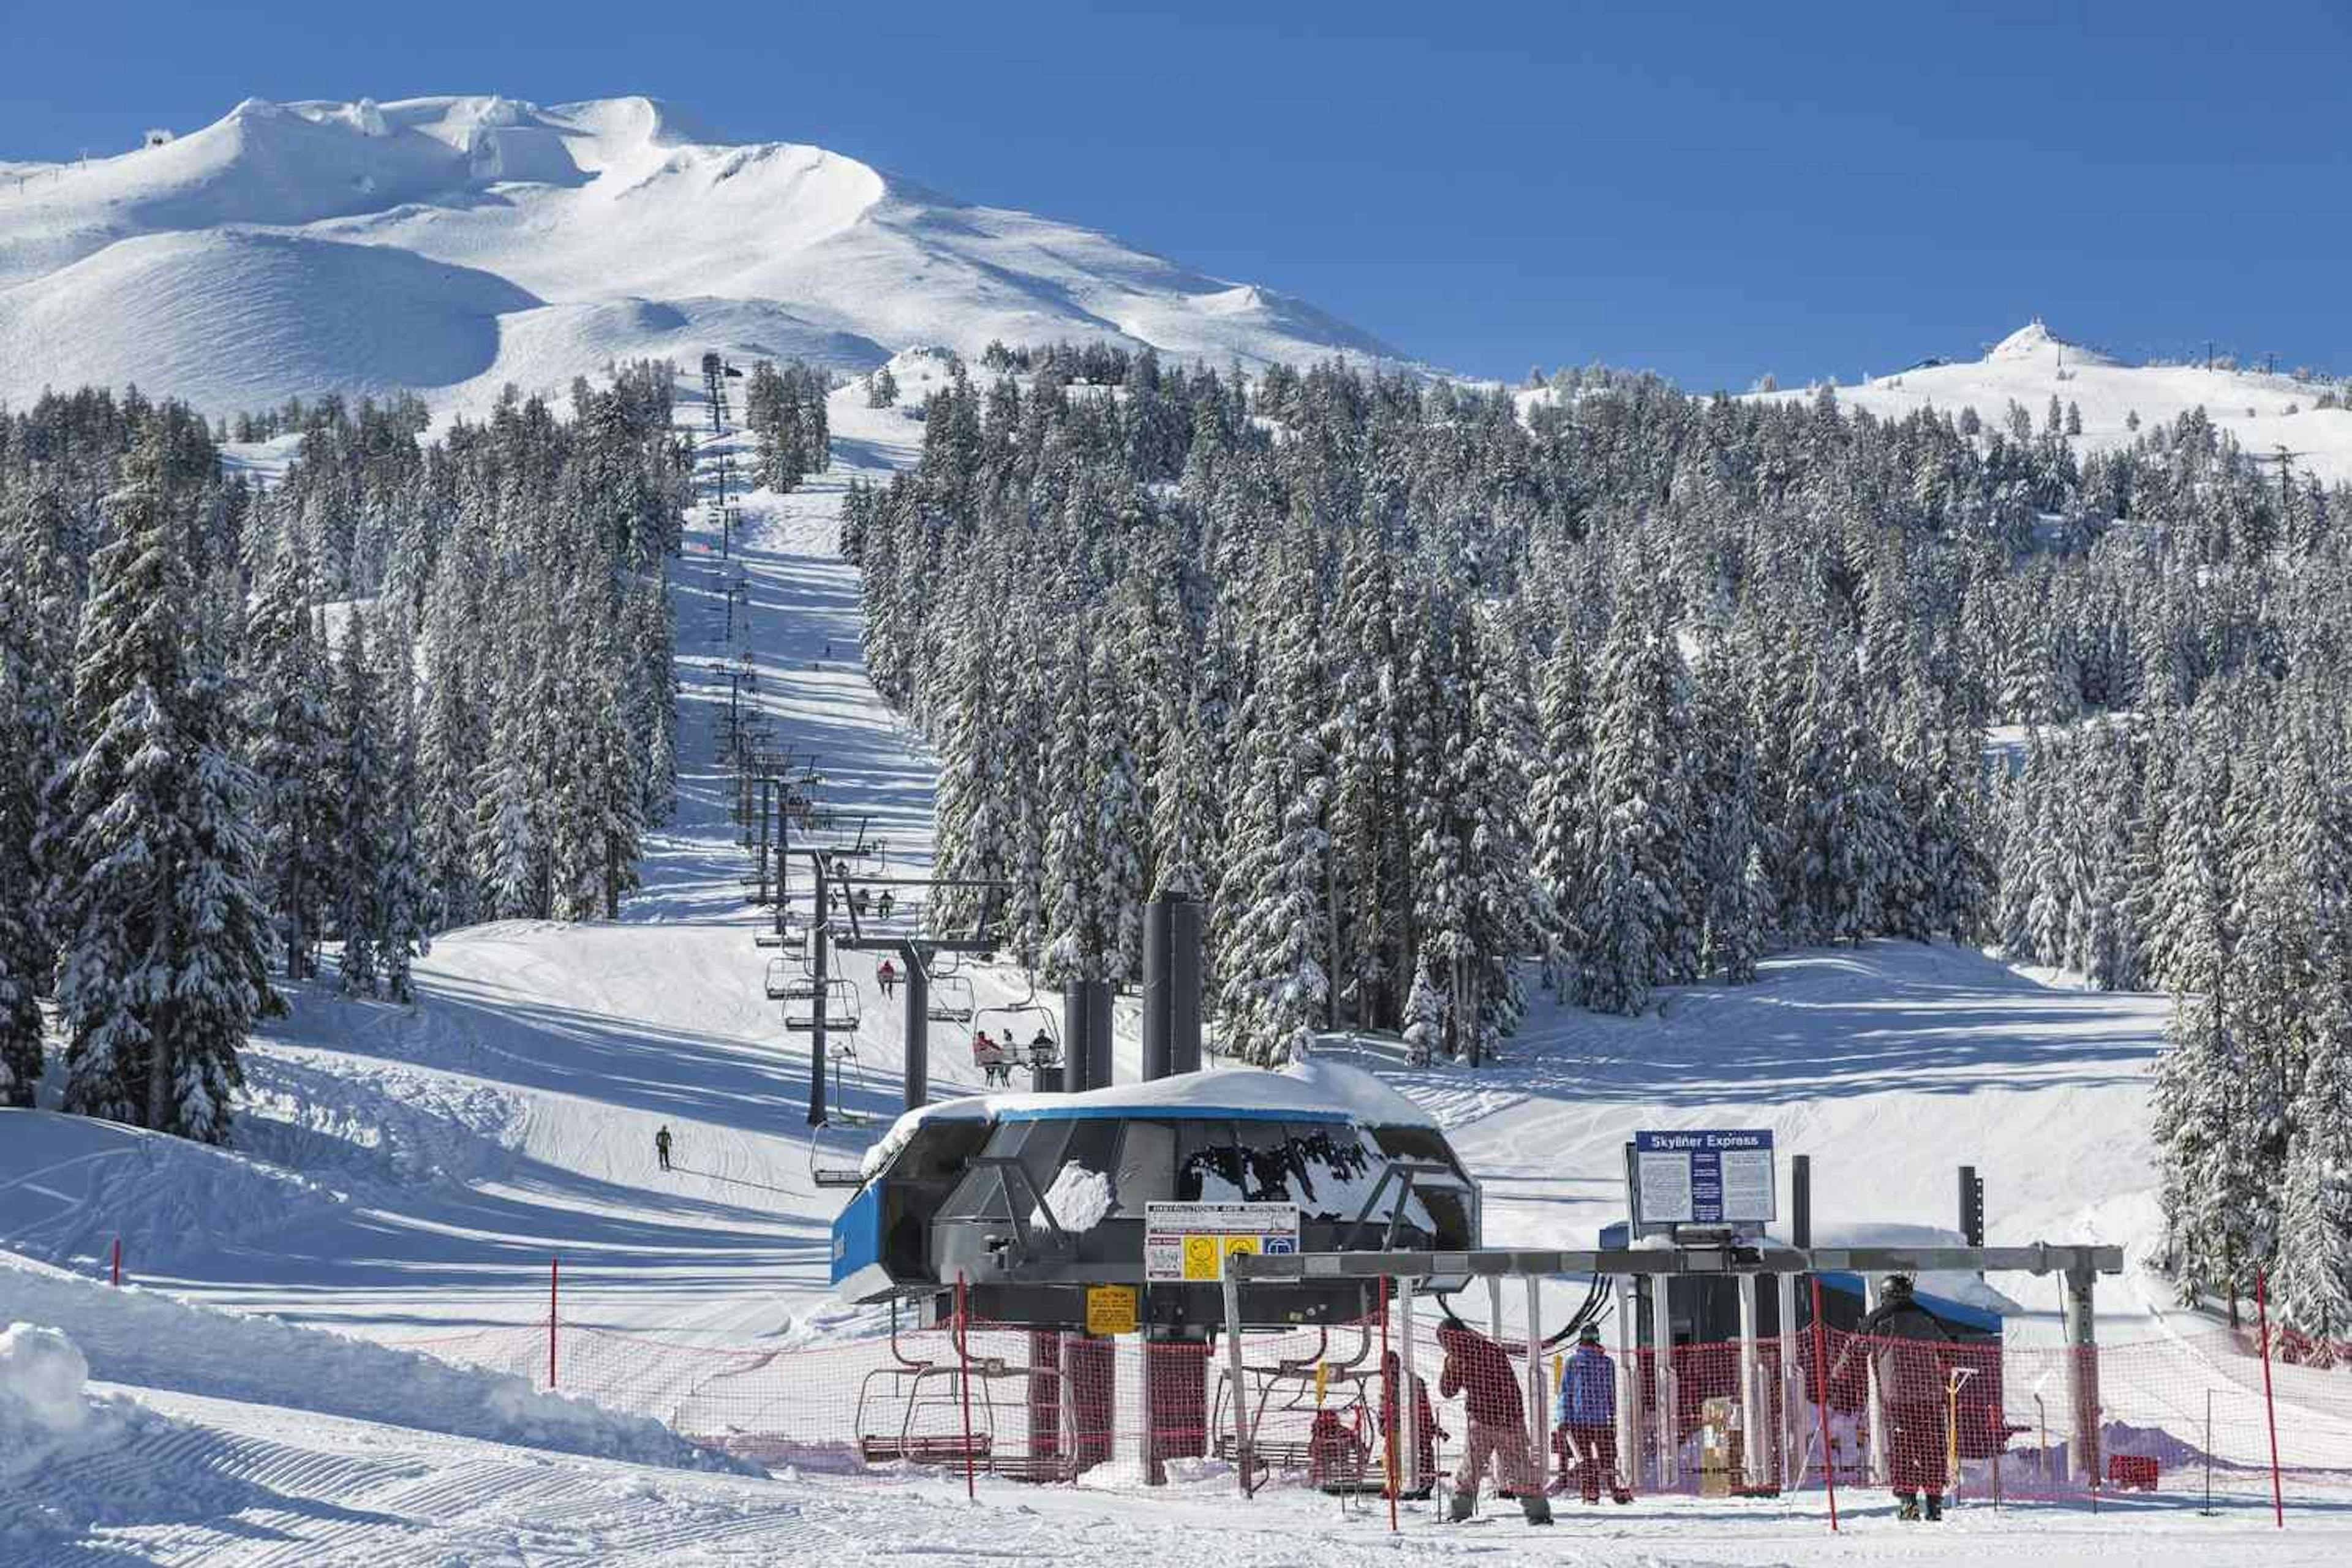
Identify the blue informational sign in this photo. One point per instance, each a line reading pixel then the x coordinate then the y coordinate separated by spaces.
pixel 1705 1177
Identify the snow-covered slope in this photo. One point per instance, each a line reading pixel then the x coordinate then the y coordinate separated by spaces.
pixel 2032 364
pixel 451 245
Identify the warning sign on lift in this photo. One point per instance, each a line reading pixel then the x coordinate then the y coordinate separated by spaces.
pixel 1187 1243
pixel 1111 1309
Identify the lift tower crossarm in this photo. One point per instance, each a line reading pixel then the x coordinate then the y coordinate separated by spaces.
pixel 1730 1259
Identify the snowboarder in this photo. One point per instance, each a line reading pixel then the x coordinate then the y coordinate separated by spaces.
pixel 1587 1417
pixel 888 977
pixel 661 1146
pixel 1899 1335
pixel 1476 1368
pixel 883 908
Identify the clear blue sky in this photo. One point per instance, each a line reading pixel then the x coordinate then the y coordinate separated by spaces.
pixel 1712 190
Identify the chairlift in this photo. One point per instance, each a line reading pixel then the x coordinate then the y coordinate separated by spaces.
pixel 947 1413
pixel 951 999
pixel 840 1008
pixel 780 980
pixel 1053 1032
pixel 1340 1410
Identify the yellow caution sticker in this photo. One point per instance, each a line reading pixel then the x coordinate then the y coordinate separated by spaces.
pixel 1110 1309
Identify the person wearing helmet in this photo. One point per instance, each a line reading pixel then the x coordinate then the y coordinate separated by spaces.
pixel 1587 1416
pixel 1899 1336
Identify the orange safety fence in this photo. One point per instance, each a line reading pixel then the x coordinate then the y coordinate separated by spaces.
pixel 1978 1420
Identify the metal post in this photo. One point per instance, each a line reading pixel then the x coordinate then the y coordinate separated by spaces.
pixel 765 785
pixel 1396 1403
pixel 2083 1371
pixel 1409 1404
pixel 553 1263
pixel 1873 1396
pixel 2270 1404
pixel 1494 1307
pixel 1238 1389
pixel 1821 1401
pixel 918 982
pixel 1539 1388
pixel 1784 1289
pixel 817 930
pixel 1751 1427
pixel 1629 1396
pixel 1661 1381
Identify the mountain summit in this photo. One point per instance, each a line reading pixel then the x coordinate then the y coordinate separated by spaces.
pixel 449 245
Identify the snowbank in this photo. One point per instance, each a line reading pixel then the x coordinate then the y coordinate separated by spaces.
pixel 138 1337
pixel 56 1439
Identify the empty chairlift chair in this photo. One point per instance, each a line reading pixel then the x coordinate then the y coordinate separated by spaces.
pixel 951 999
pixel 840 1007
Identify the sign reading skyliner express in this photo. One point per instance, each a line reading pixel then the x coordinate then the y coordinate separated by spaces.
pixel 1702 1177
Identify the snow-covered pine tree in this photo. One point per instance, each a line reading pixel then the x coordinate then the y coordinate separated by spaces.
pixel 165 963
pixel 1639 805
pixel 1557 803
pixel 361 772
pixel 1726 805
pixel 1271 956
pixel 289 737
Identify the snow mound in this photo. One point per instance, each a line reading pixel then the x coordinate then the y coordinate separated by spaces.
pixel 75 1185
pixel 1079 1198
pixel 139 1337
pixel 579 206
pixel 239 319
pixel 56 1438
pixel 2034 341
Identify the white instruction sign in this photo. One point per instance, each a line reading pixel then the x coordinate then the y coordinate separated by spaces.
pixel 1188 1243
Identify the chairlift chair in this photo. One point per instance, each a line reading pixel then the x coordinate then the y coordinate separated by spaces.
pixel 951 999
pixel 780 980
pixel 840 1008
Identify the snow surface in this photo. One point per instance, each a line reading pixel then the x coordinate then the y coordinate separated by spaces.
pixel 2264 413
pixel 495 241
pixel 404 1174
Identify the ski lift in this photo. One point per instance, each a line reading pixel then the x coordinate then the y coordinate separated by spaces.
pixel 1337 1402
pixel 831 1177
pixel 840 1008
pixel 951 999
pixel 1030 1056
pixel 1012 1418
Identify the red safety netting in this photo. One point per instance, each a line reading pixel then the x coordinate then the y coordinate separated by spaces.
pixel 1979 1422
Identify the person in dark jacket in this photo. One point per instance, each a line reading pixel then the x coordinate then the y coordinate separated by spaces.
pixel 1477 1370
pixel 1416 1447
pixel 661 1146
pixel 1901 1336
pixel 1586 1414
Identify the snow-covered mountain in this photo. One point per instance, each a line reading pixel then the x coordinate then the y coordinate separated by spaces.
pixel 451 245
pixel 2264 413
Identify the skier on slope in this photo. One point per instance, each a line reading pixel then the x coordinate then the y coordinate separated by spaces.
pixel 661 1146
pixel 1899 1335
pixel 1476 1368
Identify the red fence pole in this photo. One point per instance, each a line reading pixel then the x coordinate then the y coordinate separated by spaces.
pixel 1822 1403
pixel 2269 1406
pixel 118 1262
pixel 963 1380
pixel 1395 1402
pixel 551 1265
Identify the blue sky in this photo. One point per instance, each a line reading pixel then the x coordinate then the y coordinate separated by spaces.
pixel 1712 190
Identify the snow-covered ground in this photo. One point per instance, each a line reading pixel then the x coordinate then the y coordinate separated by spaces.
pixel 2265 413
pixel 496 241
pixel 404 1174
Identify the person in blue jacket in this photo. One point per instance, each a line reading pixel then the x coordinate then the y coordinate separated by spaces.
pixel 1586 1413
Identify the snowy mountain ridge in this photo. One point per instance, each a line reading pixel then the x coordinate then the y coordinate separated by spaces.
pixel 448 246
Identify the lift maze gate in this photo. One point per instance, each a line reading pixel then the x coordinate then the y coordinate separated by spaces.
pixel 1746 1418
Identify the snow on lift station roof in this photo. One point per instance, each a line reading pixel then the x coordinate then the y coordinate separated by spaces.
pixel 1308 1091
